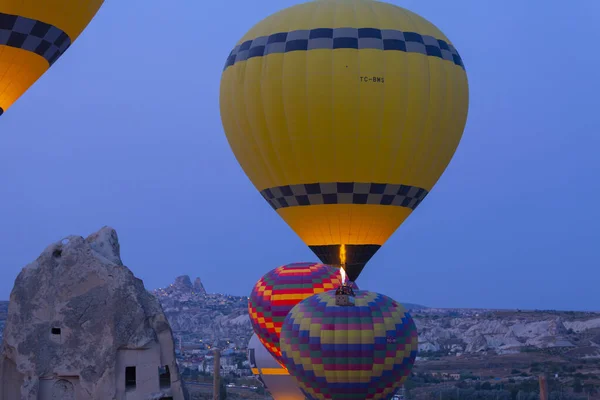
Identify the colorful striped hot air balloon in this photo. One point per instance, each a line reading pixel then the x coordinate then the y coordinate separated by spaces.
pixel 360 352
pixel 282 288
pixel 33 35
pixel 344 114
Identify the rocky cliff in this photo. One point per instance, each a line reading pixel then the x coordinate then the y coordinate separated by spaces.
pixel 195 314
pixel 77 319
pixel 505 332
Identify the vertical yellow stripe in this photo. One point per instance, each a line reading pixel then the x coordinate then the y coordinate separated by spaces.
pixel 416 114
pixel 272 90
pixel 319 89
pixel 243 149
pixel 294 96
pixel 257 124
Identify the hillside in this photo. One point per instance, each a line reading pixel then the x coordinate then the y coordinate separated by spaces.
pixel 3 312
pixel 196 316
pixel 473 352
pixel 468 331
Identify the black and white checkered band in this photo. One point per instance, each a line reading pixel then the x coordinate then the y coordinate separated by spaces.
pixel 309 194
pixel 35 36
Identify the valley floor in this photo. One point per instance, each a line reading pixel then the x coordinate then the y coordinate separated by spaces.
pixel 567 377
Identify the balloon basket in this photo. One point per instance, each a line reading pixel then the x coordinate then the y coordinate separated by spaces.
pixel 344 296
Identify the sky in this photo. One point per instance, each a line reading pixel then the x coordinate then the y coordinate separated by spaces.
pixel 124 130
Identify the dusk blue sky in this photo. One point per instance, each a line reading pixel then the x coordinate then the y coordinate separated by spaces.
pixel 125 131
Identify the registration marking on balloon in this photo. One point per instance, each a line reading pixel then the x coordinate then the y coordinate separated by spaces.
pixel 35 36
pixel 372 79
pixel 344 38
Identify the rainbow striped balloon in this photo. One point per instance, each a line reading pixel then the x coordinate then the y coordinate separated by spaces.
pixel 360 352
pixel 282 288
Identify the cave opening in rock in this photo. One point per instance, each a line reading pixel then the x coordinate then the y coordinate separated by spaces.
pixel 164 377
pixel 130 378
pixel 55 331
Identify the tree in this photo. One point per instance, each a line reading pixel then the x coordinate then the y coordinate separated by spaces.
pixel 222 391
pixel 590 388
pixel 577 387
pixel 514 393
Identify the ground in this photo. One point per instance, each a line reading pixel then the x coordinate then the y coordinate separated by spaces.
pixel 509 373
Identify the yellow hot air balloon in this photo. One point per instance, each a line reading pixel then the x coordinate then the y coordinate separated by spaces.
pixel 33 35
pixel 344 114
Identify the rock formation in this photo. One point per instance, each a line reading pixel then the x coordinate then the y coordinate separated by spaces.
pixel 80 325
pixel 183 282
pixel 183 286
pixel 199 287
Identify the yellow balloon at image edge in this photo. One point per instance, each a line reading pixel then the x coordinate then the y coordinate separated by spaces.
pixel 344 114
pixel 34 35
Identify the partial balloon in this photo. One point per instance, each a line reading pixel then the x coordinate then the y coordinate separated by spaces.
pixel 360 352
pixel 280 289
pixel 273 376
pixel 344 114
pixel 33 35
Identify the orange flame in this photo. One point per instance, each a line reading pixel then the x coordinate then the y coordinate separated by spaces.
pixel 343 262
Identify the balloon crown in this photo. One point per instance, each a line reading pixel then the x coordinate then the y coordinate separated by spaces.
pixel 344 296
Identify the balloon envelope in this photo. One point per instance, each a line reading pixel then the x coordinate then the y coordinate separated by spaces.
pixel 274 377
pixel 33 35
pixel 282 288
pixel 344 114
pixel 361 352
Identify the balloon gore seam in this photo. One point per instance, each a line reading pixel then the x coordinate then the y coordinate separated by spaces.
pixel 344 38
pixel 35 36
